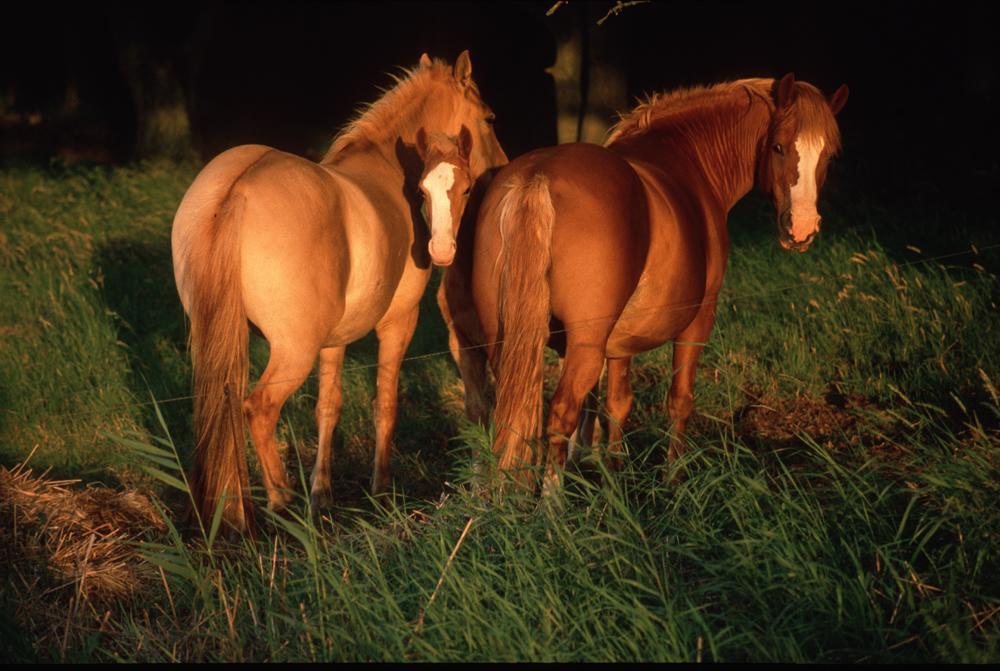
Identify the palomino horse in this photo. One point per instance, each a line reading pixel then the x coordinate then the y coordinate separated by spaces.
pixel 615 250
pixel 313 257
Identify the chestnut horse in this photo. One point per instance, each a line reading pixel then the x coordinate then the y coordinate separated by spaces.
pixel 618 249
pixel 313 257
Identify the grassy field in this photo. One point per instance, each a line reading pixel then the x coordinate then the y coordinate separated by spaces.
pixel 839 500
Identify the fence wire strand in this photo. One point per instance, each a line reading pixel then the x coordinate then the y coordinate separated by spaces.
pixel 666 307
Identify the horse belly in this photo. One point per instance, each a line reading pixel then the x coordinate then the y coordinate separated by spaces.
pixel 669 294
pixel 376 266
pixel 651 319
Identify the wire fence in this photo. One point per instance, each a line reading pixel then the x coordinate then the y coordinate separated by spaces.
pixel 666 307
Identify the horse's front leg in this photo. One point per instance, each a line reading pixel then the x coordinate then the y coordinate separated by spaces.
pixel 394 337
pixel 687 349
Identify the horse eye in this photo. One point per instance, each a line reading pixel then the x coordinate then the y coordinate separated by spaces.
pixel 778 148
pixel 490 118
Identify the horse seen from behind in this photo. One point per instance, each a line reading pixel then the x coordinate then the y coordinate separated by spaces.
pixel 606 252
pixel 313 256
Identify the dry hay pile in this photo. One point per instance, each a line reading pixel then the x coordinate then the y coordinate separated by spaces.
pixel 68 550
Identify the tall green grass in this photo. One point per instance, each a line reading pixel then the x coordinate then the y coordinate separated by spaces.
pixel 876 541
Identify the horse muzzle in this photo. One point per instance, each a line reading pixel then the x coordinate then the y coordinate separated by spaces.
pixel 442 251
pixel 788 240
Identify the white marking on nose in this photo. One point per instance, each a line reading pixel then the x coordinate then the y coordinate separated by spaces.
pixel 805 218
pixel 438 182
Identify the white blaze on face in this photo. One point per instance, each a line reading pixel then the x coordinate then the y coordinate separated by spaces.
pixel 805 217
pixel 437 183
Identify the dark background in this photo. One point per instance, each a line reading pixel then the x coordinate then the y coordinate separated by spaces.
pixel 923 76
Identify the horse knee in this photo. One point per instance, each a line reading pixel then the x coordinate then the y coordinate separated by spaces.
pixel 384 407
pixel 258 406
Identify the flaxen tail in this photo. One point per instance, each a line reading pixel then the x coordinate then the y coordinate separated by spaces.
pixel 526 219
pixel 219 355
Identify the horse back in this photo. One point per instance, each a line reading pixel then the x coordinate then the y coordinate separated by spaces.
pixel 309 240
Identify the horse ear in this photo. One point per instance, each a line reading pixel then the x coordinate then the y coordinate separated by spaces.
pixel 425 60
pixel 838 99
pixel 463 68
pixel 422 143
pixel 784 91
pixel 464 142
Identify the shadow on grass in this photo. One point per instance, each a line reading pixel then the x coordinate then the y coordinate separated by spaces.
pixel 139 287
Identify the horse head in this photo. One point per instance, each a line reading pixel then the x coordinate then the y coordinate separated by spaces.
pixel 802 138
pixel 460 105
pixel 445 184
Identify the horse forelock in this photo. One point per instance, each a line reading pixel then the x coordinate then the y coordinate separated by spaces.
pixel 441 144
pixel 813 117
pixel 380 120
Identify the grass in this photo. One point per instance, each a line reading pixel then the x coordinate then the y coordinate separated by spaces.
pixel 838 498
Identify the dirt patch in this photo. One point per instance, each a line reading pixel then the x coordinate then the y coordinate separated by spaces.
pixel 784 418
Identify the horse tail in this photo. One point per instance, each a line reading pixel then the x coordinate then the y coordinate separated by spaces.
pixel 526 219
pixel 219 343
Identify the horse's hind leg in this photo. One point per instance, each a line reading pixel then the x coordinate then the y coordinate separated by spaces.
pixel 618 404
pixel 287 369
pixel 393 339
pixel 331 400
pixel 687 350
pixel 581 372
pixel 588 427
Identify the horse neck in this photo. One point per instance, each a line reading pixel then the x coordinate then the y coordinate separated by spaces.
pixel 723 141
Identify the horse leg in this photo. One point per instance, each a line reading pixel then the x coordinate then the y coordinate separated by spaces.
pixel 393 339
pixel 583 436
pixel 618 404
pixel 687 349
pixel 465 340
pixel 584 363
pixel 588 426
pixel 331 400
pixel 286 370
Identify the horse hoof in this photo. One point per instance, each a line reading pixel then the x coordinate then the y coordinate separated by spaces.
pixel 381 485
pixel 321 498
pixel 279 500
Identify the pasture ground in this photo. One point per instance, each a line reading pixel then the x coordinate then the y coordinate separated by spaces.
pixel 838 500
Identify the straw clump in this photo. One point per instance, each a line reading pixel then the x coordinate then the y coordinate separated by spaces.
pixel 81 539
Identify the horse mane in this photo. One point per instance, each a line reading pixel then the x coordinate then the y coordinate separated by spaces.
pixel 380 120
pixel 663 107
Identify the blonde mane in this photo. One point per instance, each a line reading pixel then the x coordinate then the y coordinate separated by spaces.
pixel 380 120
